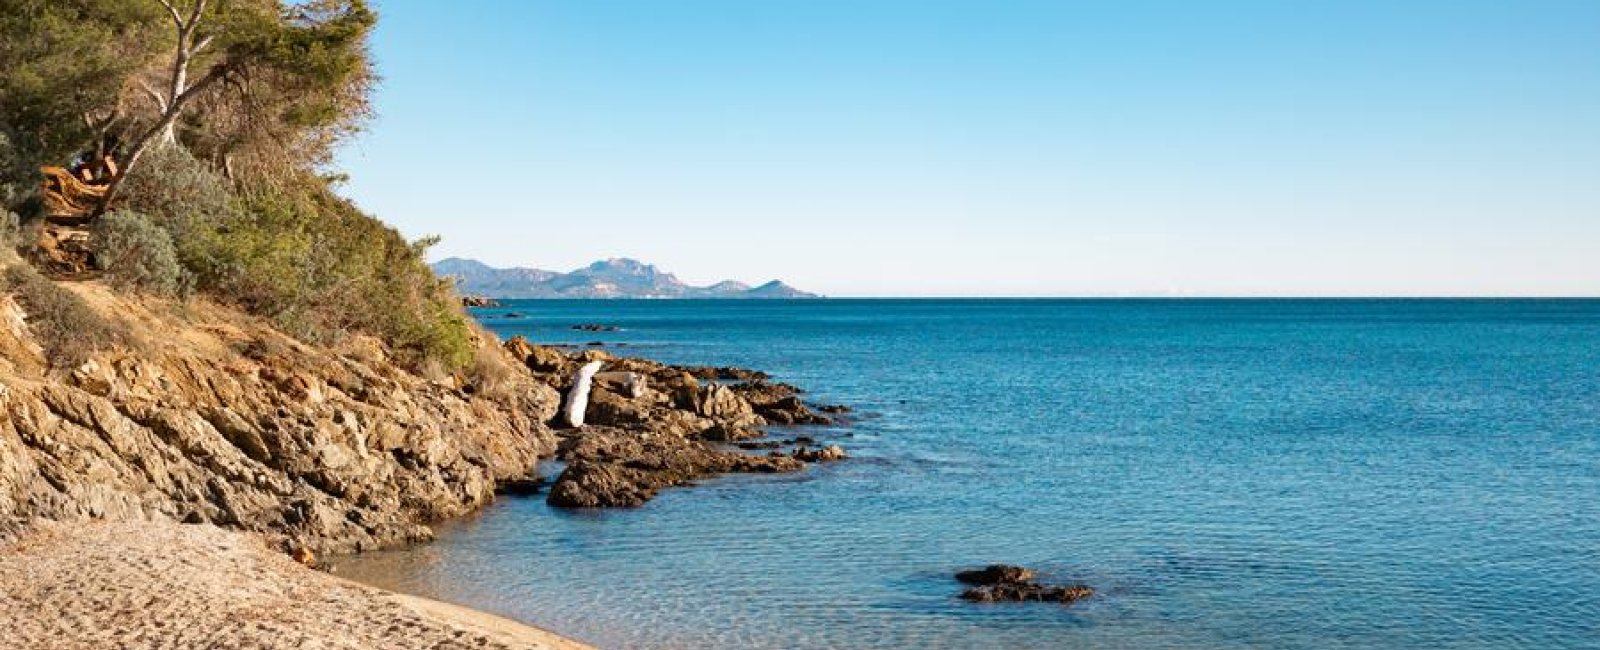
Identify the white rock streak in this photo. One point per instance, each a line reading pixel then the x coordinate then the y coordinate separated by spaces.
pixel 578 397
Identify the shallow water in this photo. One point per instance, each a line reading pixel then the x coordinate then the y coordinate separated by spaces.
pixel 1228 474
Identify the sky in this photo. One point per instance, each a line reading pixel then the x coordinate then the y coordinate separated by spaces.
pixel 1002 147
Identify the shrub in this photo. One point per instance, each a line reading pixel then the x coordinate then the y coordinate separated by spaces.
pixel 178 192
pixel 68 329
pixel 305 258
pixel 494 373
pixel 10 229
pixel 137 254
pixel 12 178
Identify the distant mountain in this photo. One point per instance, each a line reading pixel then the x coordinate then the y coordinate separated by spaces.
pixel 613 278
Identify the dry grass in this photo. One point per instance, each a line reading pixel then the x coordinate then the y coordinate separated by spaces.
pixel 65 326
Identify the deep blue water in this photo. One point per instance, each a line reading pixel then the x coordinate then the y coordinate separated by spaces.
pixel 1228 474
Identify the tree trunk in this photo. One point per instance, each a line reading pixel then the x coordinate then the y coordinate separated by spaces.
pixel 156 135
pixel 179 92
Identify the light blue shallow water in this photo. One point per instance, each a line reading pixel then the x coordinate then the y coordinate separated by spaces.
pixel 1229 474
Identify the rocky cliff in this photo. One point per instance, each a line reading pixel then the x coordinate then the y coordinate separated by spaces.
pixel 203 414
pixel 207 415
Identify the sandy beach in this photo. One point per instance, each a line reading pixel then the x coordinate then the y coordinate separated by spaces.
pixel 156 585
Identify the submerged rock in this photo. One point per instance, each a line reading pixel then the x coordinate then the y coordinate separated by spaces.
pixel 999 583
pixel 996 573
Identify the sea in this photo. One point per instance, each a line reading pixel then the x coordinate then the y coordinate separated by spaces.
pixel 1318 474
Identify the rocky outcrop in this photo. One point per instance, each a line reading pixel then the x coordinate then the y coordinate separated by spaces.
pixel 207 415
pixel 211 416
pixel 826 454
pixel 654 425
pixel 478 301
pixel 778 403
pixel 622 468
pixel 1005 583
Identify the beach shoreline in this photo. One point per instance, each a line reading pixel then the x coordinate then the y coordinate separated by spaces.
pixel 157 584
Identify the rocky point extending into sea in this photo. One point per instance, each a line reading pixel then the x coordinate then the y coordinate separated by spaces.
pixel 650 425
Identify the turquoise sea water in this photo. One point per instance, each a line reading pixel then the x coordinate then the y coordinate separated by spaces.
pixel 1228 474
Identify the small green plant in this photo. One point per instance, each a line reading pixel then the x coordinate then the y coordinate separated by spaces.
pixel 67 328
pixel 137 254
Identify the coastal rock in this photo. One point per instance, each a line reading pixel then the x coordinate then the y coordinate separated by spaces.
pixel 778 403
pixel 596 327
pixel 211 416
pixel 1029 592
pixel 631 385
pixel 720 403
pixel 478 301
pixel 620 468
pixel 649 425
pixel 578 396
pixel 726 373
pixel 996 574
pixel 725 433
pixel 1006 583
pixel 609 409
pixel 825 455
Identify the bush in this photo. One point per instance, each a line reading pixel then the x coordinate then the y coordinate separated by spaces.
pixel 137 254
pixel 305 258
pixel 178 192
pixel 19 181
pixel 10 229
pixel 67 328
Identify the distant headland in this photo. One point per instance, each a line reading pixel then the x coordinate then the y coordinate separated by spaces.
pixel 612 278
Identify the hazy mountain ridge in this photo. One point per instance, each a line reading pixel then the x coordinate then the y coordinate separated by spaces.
pixel 612 278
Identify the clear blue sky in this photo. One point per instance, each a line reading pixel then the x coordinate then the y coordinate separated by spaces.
pixel 995 147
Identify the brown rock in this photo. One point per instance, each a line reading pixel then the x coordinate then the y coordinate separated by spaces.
pixel 218 418
pixel 620 468
pixel 996 573
pixel 725 433
pixel 1007 583
pixel 1026 592
pixel 824 455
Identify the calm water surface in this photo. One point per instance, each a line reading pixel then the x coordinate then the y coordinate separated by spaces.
pixel 1228 474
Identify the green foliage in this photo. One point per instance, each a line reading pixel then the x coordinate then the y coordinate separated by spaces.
pixel 244 199
pixel 137 254
pixel 299 81
pixel 303 257
pixel 69 330
pixel 320 266
pixel 179 192
pixel 63 67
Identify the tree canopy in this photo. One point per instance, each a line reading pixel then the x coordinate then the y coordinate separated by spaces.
pixel 221 118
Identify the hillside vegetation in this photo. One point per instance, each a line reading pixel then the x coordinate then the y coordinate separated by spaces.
pixel 208 128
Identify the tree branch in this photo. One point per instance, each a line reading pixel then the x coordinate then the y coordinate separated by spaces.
pixel 216 73
pixel 161 100
pixel 173 11
pixel 194 16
